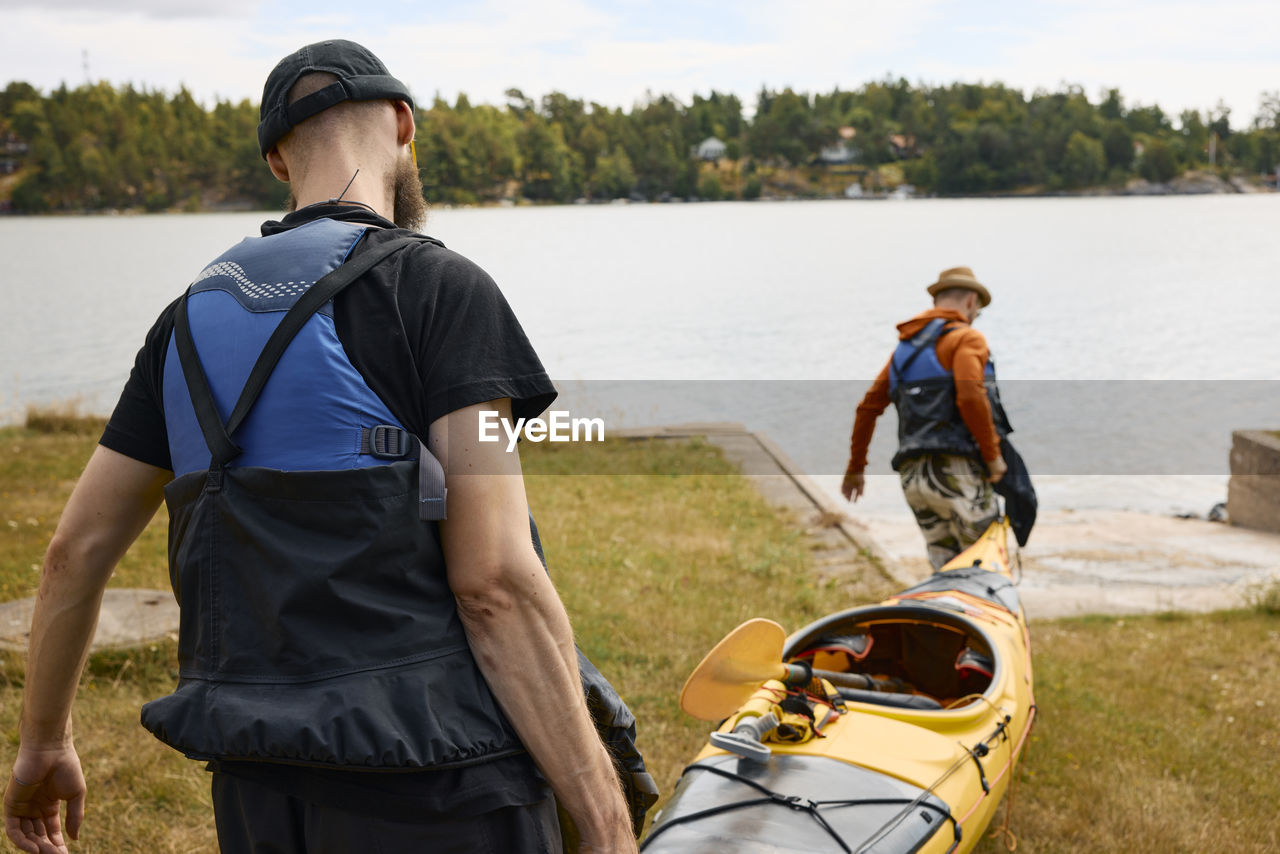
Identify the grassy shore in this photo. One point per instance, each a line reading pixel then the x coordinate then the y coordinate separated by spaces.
pixel 1155 734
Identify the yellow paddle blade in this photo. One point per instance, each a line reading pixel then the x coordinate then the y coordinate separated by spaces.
pixel 729 674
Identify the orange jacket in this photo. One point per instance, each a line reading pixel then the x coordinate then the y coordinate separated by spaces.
pixel 963 351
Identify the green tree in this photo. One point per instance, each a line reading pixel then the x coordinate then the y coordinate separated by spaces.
pixel 1148 120
pixel 1117 143
pixel 658 149
pixel 1268 111
pixel 1112 106
pixel 786 129
pixel 99 146
pixel 1194 137
pixel 1085 162
pixel 613 177
pixel 27 119
pixel 922 173
pixel 714 115
pixel 710 188
pixel 591 143
pixel 548 170
pixel 1159 164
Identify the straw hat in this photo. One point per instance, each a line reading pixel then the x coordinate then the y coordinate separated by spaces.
pixel 960 277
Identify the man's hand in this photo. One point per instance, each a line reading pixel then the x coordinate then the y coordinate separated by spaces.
pixel 996 469
pixel 852 485
pixel 40 782
pixel 110 505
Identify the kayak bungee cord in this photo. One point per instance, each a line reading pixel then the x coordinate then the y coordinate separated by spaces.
pixel 1004 832
pixel 982 748
pixel 793 802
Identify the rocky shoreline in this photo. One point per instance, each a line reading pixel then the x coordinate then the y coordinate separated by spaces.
pixel 1193 184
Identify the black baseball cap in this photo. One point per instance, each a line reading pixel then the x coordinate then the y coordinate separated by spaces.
pixel 361 77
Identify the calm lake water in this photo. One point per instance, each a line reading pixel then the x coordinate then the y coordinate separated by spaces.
pixel 1132 335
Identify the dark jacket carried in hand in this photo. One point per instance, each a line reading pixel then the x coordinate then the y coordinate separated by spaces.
pixel 1019 495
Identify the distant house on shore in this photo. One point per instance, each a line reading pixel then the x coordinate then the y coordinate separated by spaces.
pixel 14 150
pixel 902 145
pixel 840 152
pixel 710 149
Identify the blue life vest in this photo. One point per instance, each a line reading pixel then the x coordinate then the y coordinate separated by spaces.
pixel 924 393
pixel 317 623
pixel 314 406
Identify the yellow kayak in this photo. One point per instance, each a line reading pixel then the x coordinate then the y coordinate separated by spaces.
pixel 886 728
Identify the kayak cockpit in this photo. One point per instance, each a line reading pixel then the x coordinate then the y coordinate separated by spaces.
pixel 916 656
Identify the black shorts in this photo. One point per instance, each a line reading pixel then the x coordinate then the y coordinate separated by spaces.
pixel 256 819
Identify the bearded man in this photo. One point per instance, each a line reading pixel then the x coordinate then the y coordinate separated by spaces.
pixel 361 670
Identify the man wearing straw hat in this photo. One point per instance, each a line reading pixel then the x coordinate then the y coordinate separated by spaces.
pixel 950 421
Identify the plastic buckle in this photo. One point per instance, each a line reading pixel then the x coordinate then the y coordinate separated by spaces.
pixel 387 442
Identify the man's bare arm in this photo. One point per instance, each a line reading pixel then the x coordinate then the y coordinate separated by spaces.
pixel 518 629
pixel 112 502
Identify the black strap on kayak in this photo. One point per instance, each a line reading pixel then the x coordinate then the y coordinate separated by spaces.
pixel 217 435
pixel 793 802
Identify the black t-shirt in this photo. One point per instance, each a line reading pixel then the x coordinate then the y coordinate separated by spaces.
pixel 430 333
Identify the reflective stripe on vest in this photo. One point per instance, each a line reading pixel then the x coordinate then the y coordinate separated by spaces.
pixel 311 412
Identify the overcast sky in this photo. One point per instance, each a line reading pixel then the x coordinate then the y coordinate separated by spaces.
pixel 1178 55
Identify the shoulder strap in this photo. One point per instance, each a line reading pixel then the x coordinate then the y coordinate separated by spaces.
pixel 217 435
pixel 932 331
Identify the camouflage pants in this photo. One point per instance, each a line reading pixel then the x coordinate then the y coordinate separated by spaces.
pixel 952 501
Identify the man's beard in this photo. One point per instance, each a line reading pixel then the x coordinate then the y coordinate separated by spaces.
pixel 409 208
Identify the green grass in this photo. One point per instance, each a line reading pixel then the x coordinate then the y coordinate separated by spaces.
pixel 655 568
pixel 1264 596
pixel 39 465
pixel 1155 734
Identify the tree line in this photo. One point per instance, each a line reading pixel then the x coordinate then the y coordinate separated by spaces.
pixel 99 146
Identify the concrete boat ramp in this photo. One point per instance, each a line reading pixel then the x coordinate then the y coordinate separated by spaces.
pixel 1075 563
pixel 1110 562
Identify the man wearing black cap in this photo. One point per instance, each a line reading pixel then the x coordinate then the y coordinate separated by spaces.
pixel 360 670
